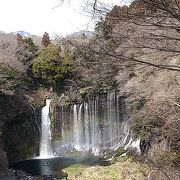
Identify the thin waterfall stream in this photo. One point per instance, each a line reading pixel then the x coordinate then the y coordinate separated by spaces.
pixel 45 141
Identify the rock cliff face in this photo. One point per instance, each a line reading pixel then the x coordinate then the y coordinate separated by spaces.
pixel 18 129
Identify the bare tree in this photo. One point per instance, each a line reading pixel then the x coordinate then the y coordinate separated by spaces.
pixel 16 54
pixel 10 68
pixel 143 27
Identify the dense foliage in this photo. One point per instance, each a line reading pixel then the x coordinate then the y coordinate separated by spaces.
pixel 51 66
pixel 9 79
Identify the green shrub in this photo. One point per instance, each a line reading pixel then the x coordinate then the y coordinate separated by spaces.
pixel 51 66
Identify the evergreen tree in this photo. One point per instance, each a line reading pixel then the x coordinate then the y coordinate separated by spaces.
pixel 46 39
pixel 51 66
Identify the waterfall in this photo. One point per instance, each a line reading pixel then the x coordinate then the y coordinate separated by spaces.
pixel 45 143
pixel 96 125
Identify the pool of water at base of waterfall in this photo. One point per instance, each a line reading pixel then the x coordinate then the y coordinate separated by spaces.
pixel 47 166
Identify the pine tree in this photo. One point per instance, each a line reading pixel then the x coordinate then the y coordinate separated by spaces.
pixel 46 40
pixel 51 66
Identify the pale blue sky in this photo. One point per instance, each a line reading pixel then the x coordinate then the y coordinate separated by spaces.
pixel 38 16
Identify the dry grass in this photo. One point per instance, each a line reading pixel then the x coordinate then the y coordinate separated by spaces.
pixel 122 170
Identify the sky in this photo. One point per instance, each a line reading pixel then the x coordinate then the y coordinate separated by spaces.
pixel 38 16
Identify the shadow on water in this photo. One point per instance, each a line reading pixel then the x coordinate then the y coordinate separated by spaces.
pixel 48 166
pixel 43 166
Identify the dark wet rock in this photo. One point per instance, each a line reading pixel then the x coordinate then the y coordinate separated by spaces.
pixel 62 175
pixel 3 161
pixel 106 158
pixel 19 132
pixel 9 178
pixel 120 151
pixel 16 123
pixel 107 154
pixel 12 174
pixel 105 162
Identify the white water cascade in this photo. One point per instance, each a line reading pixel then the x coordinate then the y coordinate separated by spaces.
pixel 96 125
pixel 45 143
